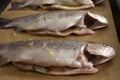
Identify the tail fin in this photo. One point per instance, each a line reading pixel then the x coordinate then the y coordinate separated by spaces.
pixel 3 22
pixel 15 5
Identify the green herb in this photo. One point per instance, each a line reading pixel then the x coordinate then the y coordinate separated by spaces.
pixel 33 67
pixel 49 52
pixel 63 70
pixel 47 69
pixel 18 68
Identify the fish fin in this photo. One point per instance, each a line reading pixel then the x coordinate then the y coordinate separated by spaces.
pixel 15 5
pixel 4 22
pixel 3 61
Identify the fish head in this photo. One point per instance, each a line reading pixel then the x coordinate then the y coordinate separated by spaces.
pixel 99 53
pixel 95 21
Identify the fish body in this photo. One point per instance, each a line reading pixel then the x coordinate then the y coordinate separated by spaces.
pixel 56 57
pixel 61 23
pixel 56 4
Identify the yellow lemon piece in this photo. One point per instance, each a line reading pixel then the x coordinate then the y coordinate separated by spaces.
pixel 49 52
pixel 30 44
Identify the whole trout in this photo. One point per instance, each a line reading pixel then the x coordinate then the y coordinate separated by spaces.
pixel 56 4
pixel 61 23
pixel 56 57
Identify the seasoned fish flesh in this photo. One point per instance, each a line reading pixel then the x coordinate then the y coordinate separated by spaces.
pixel 62 23
pixel 56 57
pixel 56 4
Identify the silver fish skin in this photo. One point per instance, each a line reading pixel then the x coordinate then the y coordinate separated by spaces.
pixel 56 57
pixel 61 23
pixel 56 4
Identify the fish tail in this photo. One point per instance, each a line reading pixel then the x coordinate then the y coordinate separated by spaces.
pixel 4 22
pixel 15 5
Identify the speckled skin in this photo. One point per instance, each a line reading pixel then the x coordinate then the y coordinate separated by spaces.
pixel 62 23
pixel 56 4
pixel 75 57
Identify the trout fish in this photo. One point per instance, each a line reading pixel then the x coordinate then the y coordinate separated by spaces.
pixel 56 57
pixel 61 23
pixel 56 4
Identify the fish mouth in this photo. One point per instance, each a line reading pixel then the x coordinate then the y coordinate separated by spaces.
pixel 94 21
pixel 99 53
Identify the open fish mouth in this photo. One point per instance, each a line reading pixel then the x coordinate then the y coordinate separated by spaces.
pixel 56 57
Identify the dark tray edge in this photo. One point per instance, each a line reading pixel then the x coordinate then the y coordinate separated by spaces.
pixel 3 4
pixel 116 15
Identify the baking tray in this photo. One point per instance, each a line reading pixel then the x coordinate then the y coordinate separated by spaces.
pixel 107 71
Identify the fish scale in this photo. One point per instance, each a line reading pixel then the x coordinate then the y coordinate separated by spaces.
pixel 56 4
pixel 61 57
pixel 60 23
